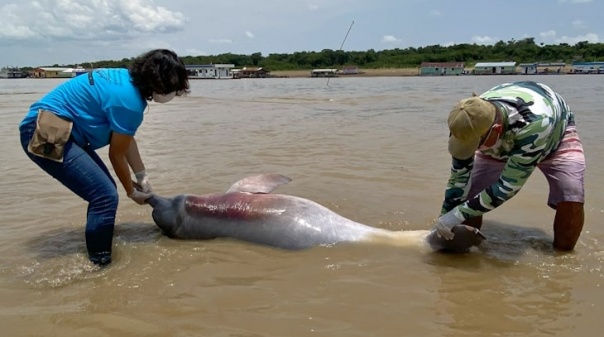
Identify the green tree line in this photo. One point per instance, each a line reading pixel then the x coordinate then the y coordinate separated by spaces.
pixel 521 51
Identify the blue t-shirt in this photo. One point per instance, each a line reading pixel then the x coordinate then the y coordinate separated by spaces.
pixel 107 103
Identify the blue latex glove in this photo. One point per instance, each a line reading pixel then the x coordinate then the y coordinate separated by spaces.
pixel 143 180
pixel 140 197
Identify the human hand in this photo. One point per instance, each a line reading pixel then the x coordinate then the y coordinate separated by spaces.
pixel 143 181
pixel 445 223
pixel 140 197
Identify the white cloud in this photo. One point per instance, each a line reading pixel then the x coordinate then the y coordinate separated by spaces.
pixel 578 24
pixel 149 19
pixel 435 13
pixel 249 34
pixel 485 40
pixel 549 35
pixel 552 37
pixel 313 7
pixel 390 39
pixel 195 52
pixel 221 41
pixel 572 40
pixel 86 19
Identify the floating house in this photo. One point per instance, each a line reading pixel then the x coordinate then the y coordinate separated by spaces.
pixel 350 70
pixel 541 68
pixel 441 68
pixel 209 71
pixel 587 68
pixel 252 72
pixel 11 72
pixel 495 68
pixel 528 68
pixel 324 73
pixel 547 68
pixel 57 72
pixel 77 71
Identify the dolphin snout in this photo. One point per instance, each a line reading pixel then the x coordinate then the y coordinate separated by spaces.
pixel 165 213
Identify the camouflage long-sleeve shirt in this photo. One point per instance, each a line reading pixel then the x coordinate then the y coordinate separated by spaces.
pixel 534 119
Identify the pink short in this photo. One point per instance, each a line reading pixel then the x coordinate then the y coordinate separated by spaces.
pixel 564 171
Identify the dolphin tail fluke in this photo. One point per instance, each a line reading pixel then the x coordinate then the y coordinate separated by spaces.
pixel 465 238
pixel 262 183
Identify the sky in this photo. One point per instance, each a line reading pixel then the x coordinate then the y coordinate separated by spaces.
pixel 47 32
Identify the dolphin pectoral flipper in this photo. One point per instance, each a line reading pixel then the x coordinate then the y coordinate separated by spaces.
pixel 262 183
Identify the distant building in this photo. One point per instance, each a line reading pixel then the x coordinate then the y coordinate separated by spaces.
pixel 587 68
pixel 324 73
pixel 441 68
pixel 545 68
pixel 252 72
pixel 495 68
pixel 11 72
pixel 528 68
pixel 541 68
pixel 53 72
pixel 350 70
pixel 209 71
pixel 77 71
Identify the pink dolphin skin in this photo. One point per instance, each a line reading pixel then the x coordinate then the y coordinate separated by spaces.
pixel 248 211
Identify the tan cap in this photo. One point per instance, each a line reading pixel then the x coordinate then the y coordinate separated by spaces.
pixel 469 120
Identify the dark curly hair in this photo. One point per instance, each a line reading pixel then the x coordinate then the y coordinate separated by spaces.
pixel 160 71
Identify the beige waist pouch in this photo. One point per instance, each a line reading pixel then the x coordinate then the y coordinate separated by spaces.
pixel 51 135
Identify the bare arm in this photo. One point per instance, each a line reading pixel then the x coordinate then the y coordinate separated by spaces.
pixel 118 149
pixel 133 157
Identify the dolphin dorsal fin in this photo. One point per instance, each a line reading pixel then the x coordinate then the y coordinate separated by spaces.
pixel 262 183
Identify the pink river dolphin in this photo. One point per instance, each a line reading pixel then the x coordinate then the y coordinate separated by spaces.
pixel 248 211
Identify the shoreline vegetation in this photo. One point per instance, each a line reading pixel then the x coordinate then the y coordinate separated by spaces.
pixel 393 62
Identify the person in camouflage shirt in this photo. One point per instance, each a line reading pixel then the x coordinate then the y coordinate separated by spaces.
pixel 497 140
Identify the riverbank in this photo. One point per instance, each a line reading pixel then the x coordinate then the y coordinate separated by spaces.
pixel 362 72
pixel 381 72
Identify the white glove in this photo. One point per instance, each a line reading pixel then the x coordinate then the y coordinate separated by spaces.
pixel 445 223
pixel 143 180
pixel 140 197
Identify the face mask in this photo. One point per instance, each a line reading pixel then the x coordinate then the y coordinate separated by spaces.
pixel 159 98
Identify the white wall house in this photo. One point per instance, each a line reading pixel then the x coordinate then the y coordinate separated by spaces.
pixel 210 71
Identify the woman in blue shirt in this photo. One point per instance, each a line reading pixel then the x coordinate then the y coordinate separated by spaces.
pixel 62 130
